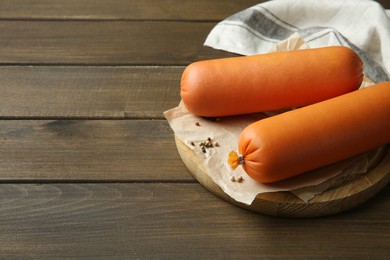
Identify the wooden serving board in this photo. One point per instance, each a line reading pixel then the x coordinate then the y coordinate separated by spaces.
pixel 339 198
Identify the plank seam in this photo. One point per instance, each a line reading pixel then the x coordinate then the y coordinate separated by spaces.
pixel 42 19
pixel 118 65
pixel 81 181
pixel 81 118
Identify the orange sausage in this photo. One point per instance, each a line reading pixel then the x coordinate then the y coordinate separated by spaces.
pixel 294 142
pixel 265 82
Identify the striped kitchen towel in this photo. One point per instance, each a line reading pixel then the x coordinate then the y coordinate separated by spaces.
pixel 362 25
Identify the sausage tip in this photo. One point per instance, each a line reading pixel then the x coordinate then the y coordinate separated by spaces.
pixel 235 159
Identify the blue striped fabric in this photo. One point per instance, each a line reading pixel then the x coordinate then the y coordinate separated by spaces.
pixel 257 28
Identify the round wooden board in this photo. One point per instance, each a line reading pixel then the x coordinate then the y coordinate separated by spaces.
pixel 337 199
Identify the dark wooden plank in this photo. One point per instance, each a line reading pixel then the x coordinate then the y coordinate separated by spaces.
pixel 175 221
pixel 88 150
pixel 104 42
pixel 126 9
pixel 122 9
pixel 88 92
pixel 384 3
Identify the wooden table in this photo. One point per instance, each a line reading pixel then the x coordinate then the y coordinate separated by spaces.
pixel 88 164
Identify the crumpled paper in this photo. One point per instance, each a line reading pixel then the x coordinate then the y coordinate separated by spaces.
pixel 193 130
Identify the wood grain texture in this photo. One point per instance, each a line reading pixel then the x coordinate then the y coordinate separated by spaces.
pixel 160 211
pixel 186 10
pixel 122 9
pixel 171 221
pixel 341 194
pixel 88 92
pixel 89 150
pixel 105 42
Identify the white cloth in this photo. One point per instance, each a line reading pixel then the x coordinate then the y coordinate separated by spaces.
pixel 362 25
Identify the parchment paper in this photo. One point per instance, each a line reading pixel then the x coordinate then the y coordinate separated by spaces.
pixel 193 130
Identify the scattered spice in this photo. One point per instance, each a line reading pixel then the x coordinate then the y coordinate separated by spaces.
pixel 239 180
pixel 206 144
